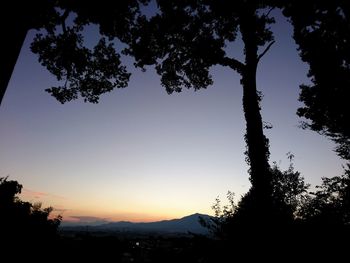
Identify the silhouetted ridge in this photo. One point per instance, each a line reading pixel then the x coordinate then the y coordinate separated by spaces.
pixel 182 225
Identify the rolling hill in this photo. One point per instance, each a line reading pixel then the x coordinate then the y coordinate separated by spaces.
pixel 183 225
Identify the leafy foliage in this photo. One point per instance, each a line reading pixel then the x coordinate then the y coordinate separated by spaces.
pixel 217 224
pixel 322 32
pixel 328 207
pixel 183 51
pixel 289 198
pixel 89 73
pixel 22 220
pixel 86 72
pixel 330 204
pixel 289 190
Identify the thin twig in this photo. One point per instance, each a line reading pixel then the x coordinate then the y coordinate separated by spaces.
pixel 268 13
pixel 266 49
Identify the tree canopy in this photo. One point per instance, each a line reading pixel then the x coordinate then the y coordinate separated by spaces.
pixel 322 32
pixel 185 38
pixel 60 45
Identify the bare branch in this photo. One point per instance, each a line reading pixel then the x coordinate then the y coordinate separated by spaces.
pixel 266 49
pixel 63 20
pixel 268 13
pixel 232 63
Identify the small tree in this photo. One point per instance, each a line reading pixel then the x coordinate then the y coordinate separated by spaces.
pixel 289 196
pixel 23 221
pixel 223 214
pixel 290 191
pixel 330 204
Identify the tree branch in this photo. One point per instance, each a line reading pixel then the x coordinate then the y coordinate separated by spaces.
pixel 268 13
pixel 266 49
pixel 63 20
pixel 232 63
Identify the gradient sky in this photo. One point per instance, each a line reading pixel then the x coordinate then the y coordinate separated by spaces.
pixel 143 155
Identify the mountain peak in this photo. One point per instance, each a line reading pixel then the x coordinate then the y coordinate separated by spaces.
pixel 196 216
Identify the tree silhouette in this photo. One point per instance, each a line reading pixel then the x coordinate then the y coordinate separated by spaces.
pixel 232 228
pixel 21 16
pixel 289 193
pixel 322 32
pixel 22 221
pixel 82 71
pixel 330 204
pixel 185 38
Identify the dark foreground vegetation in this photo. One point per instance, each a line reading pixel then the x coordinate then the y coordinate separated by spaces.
pixel 292 243
pixel 310 226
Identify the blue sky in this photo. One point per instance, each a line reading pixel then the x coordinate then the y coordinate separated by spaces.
pixel 141 154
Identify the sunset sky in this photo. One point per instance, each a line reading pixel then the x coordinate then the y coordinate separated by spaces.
pixel 143 155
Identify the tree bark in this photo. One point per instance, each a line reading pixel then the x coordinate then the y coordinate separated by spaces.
pixel 257 143
pixel 14 32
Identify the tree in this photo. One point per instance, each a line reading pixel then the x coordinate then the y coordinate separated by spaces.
pixel 176 40
pixel 21 16
pixel 322 33
pixel 330 204
pixel 22 221
pixel 290 196
pixel 289 191
pixel 185 38
pixel 82 71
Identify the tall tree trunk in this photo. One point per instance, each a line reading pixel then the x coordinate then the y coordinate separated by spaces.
pixel 259 201
pixel 257 143
pixel 14 34
pixel 260 198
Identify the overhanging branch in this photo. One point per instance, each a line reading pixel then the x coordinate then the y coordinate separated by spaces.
pixel 266 49
pixel 232 63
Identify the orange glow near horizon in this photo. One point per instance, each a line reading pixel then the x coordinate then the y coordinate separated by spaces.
pixel 121 217
pixel 73 212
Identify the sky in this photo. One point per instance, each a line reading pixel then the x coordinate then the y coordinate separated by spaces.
pixel 143 155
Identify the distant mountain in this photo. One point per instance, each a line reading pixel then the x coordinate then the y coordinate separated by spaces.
pixel 183 225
